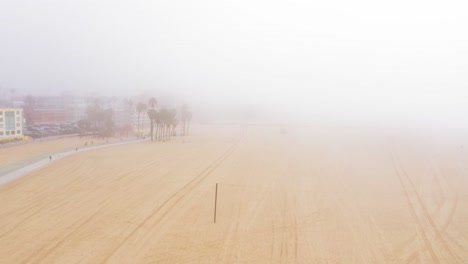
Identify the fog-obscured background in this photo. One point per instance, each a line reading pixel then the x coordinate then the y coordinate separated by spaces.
pixel 291 58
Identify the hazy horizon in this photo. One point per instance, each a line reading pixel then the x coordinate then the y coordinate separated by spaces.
pixel 301 57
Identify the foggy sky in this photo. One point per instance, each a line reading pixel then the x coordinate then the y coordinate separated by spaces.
pixel 294 54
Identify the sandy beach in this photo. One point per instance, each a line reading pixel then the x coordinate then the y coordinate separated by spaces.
pixel 311 195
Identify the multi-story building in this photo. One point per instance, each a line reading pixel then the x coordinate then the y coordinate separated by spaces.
pixel 68 109
pixel 46 110
pixel 11 123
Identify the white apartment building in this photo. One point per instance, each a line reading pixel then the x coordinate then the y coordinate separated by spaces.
pixel 11 123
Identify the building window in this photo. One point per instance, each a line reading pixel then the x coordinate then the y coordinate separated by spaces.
pixel 1 112
pixel 17 112
pixel 18 124
pixel 9 120
pixel 18 119
pixel 13 132
pixel 18 132
pixel 1 126
pixel 1 119
pixel 1 133
pixel 8 133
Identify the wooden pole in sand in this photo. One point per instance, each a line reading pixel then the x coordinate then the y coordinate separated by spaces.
pixel 216 202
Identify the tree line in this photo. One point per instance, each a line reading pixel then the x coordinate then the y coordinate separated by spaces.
pixel 99 121
pixel 163 121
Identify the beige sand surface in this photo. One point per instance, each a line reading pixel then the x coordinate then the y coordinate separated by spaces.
pixel 328 195
pixel 12 154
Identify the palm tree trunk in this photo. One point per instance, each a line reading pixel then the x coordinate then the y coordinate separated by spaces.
pixel 158 132
pixel 151 132
pixel 158 128
pixel 138 124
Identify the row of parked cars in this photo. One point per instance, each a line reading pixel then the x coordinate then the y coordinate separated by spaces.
pixel 46 130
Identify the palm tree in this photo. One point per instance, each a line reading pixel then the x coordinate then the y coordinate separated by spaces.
pixel 129 103
pixel 152 102
pixel 93 113
pixel 101 118
pixel 107 119
pixel 164 116
pixel 141 107
pixel 172 121
pixel 186 116
pixel 152 116
pixel 189 118
pixel 183 117
pixel 29 107
pixel 158 120
pixel 84 126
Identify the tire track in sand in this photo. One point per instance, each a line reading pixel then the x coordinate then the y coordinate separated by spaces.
pixel 167 206
pixel 410 188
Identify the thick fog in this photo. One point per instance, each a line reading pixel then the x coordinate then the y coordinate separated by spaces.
pixel 297 57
